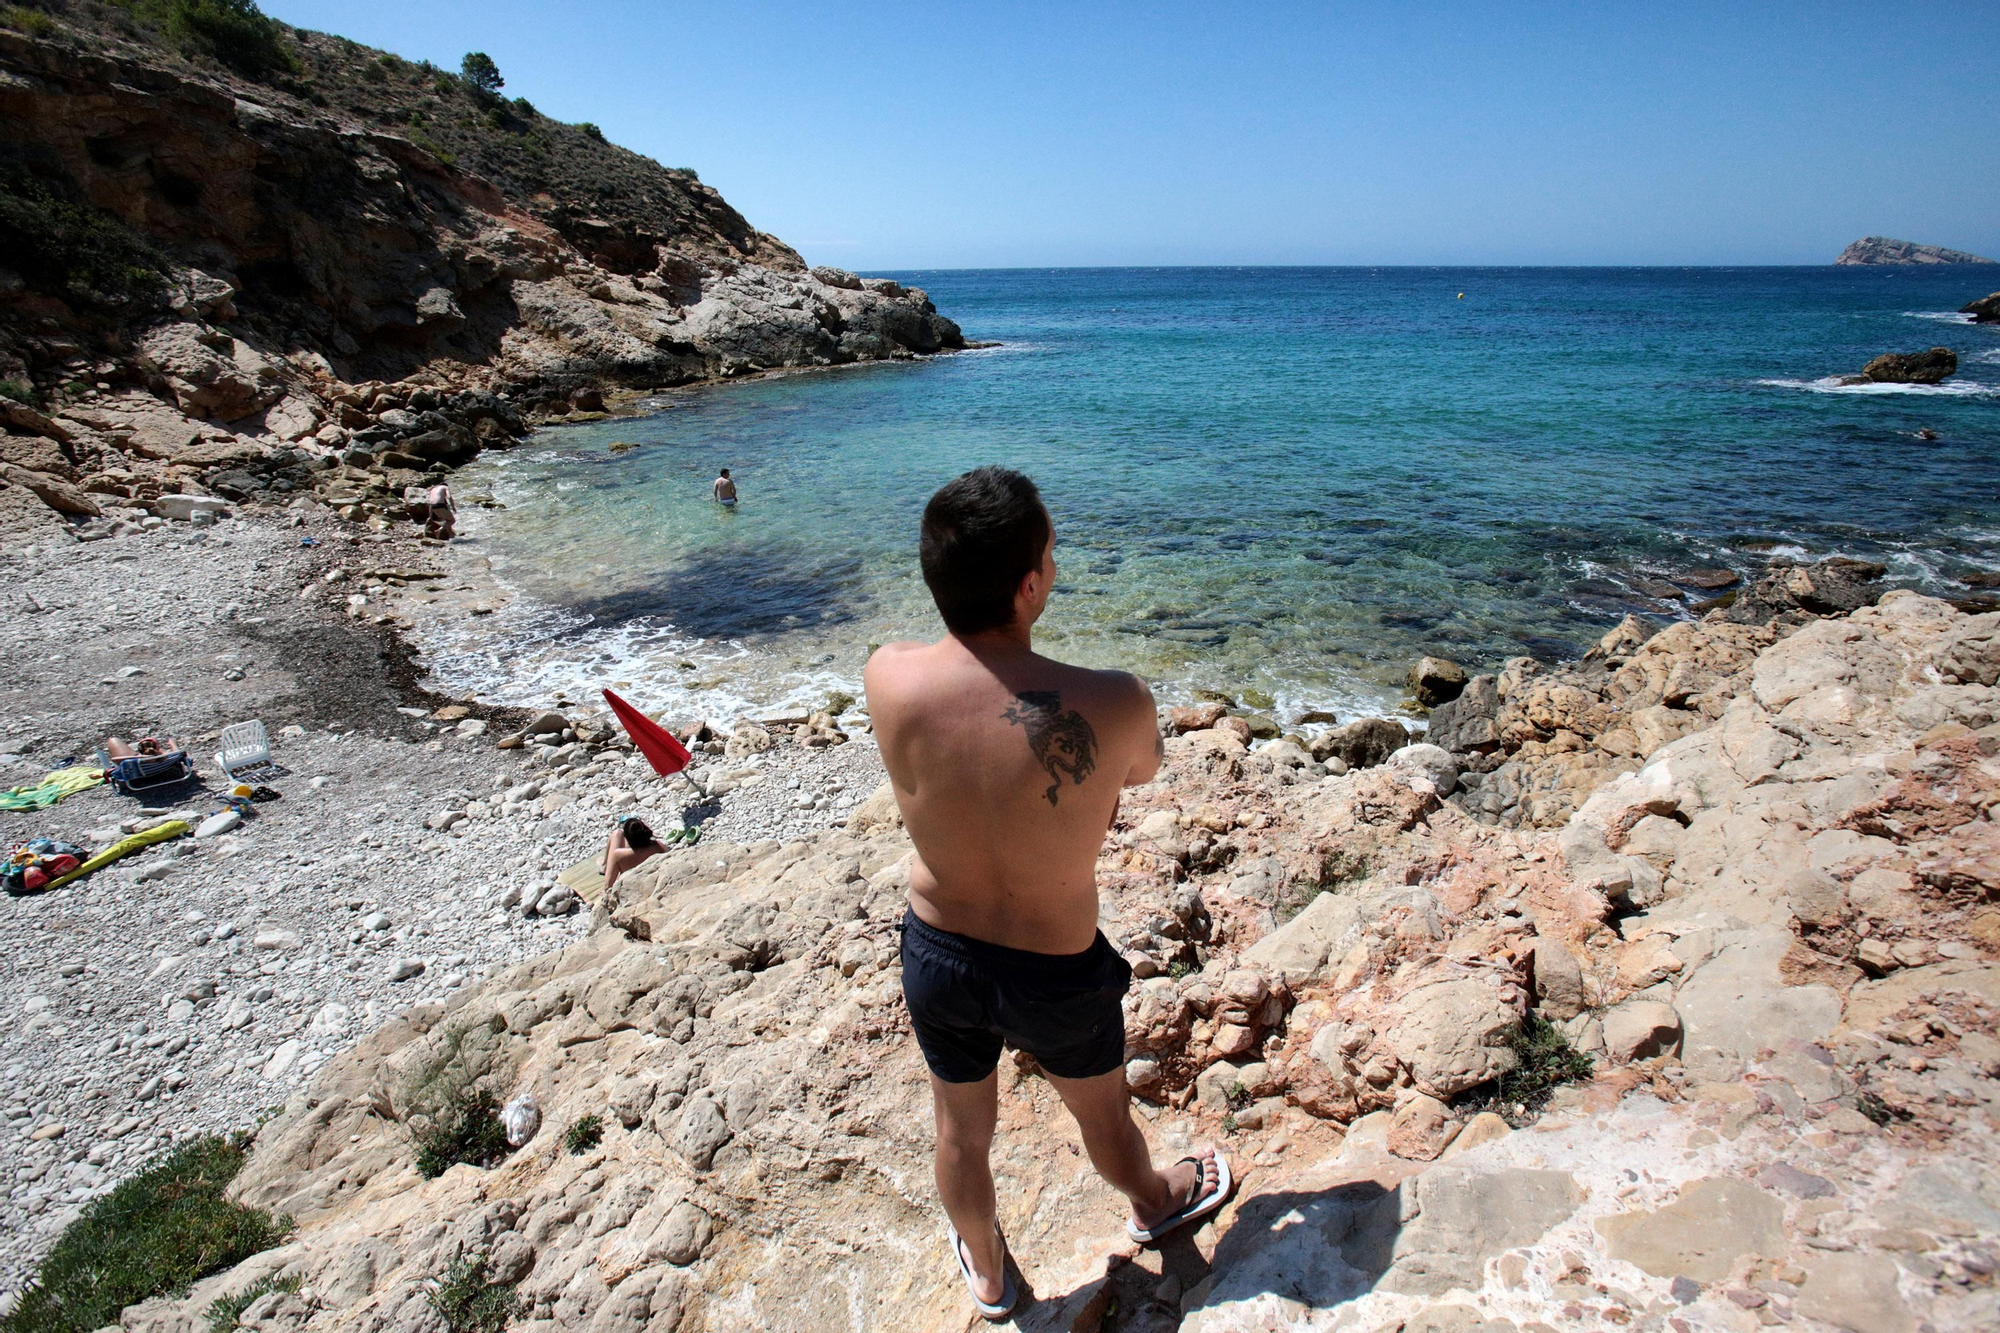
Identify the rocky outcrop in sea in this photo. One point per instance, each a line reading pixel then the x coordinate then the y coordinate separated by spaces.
pixel 1883 250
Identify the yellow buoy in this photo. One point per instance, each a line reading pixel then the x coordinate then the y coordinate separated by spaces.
pixel 1461 296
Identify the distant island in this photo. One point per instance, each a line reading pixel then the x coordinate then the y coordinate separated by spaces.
pixel 1882 250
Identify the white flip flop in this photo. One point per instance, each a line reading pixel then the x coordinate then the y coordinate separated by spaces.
pixel 1199 1206
pixel 1010 1293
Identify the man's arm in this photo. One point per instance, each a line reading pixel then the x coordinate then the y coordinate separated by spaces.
pixel 1150 747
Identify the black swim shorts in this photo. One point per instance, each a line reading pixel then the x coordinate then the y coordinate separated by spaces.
pixel 967 997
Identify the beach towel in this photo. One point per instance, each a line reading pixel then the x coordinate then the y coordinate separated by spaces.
pixel 173 828
pixel 667 755
pixel 63 782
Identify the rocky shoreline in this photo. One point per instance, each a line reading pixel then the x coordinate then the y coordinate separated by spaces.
pixel 1743 862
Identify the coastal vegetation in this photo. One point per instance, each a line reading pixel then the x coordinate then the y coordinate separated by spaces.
pixel 470 1300
pixel 158 1232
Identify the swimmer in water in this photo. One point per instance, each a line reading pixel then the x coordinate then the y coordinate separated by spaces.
pixel 725 490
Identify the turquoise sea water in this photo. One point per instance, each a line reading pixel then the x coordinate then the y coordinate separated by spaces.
pixel 1290 480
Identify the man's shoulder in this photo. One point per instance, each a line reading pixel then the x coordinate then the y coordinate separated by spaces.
pixel 893 661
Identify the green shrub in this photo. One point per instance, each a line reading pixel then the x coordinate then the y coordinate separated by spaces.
pixel 463 1127
pixel 235 32
pixel 21 392
pixel 523 107
pixel 469 1301
pixel 67 248
pixel 591 131
pixel 480 73
pixel 584 1135
pixel 23 19
pixel 224 1311
pixel 157 1233
pixel 1546 1061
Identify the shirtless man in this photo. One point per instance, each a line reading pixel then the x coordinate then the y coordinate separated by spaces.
pixel 1007 767
pixel 725 490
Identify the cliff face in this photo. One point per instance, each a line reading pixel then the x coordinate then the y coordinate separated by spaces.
pixel 178 230
pixel 1882 250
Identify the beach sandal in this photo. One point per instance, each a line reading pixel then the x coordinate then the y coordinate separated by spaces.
pixel 1010 1292
pixel 1201 1205
pixel 689 837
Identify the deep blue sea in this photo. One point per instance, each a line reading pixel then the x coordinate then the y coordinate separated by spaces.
pixel 1292 481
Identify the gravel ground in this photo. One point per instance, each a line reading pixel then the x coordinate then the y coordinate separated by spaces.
pixel 193 986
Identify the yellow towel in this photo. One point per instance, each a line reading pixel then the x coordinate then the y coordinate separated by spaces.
pixel 173 828
pixel 63 782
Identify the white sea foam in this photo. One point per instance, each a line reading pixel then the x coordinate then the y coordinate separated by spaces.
pixel 1834 384
pixel 1946 316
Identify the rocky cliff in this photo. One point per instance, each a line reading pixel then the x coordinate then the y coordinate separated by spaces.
pixel 1883 250
pixel 1746 864
pixel 241 273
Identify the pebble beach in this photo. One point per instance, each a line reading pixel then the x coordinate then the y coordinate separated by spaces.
pixel 194 986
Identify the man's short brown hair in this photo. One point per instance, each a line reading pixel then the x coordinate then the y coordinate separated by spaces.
pixel 982 533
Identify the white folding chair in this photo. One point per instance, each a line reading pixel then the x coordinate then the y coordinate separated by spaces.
pixel 246 750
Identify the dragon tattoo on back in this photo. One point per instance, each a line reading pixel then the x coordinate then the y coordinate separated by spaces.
pixel 1062 741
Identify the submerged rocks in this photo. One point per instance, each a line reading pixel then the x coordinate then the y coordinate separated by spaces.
pixel 1829 588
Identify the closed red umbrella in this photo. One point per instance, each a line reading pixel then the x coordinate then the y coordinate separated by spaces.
pixel 667 755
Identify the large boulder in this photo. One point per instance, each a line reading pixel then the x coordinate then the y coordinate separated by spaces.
pixel 1453 1035
pixel 209 373
pixel 1986 310
pixel 1434 681
pixel 1465 724
pixel 1930 367
pixel 1361 744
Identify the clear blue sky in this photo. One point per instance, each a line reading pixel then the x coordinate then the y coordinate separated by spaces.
pixel 883 135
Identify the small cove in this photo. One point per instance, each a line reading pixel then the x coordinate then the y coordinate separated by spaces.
pixel 1291 481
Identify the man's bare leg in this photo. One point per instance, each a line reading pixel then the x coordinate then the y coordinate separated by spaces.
pixel 966 1114
pixel 1103 1110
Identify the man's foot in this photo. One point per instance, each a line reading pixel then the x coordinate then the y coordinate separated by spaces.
pixel 1197 1186
pixel 995 1296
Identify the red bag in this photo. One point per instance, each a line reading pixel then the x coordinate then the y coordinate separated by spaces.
pixel 48 868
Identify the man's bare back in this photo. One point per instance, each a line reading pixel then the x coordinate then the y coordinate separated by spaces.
pixel 1007 767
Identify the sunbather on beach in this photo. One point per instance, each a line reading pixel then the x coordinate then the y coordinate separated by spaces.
pixel 631 844
pixel 115 749
pixel 1007 767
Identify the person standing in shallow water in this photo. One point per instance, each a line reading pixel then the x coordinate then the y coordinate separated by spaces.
pixel 725 490
pixel 1007 767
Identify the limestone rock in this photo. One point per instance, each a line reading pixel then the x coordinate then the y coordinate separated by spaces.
pixel 1466 1215
pixel 1639 1030
pixel 1434 681
pixel 1421 1128
pixel 1452 1035
pixel 1883 250
pixel 1704 1234
pixel 1361 744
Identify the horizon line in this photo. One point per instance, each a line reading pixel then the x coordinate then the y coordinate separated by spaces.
pixel 1888 269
